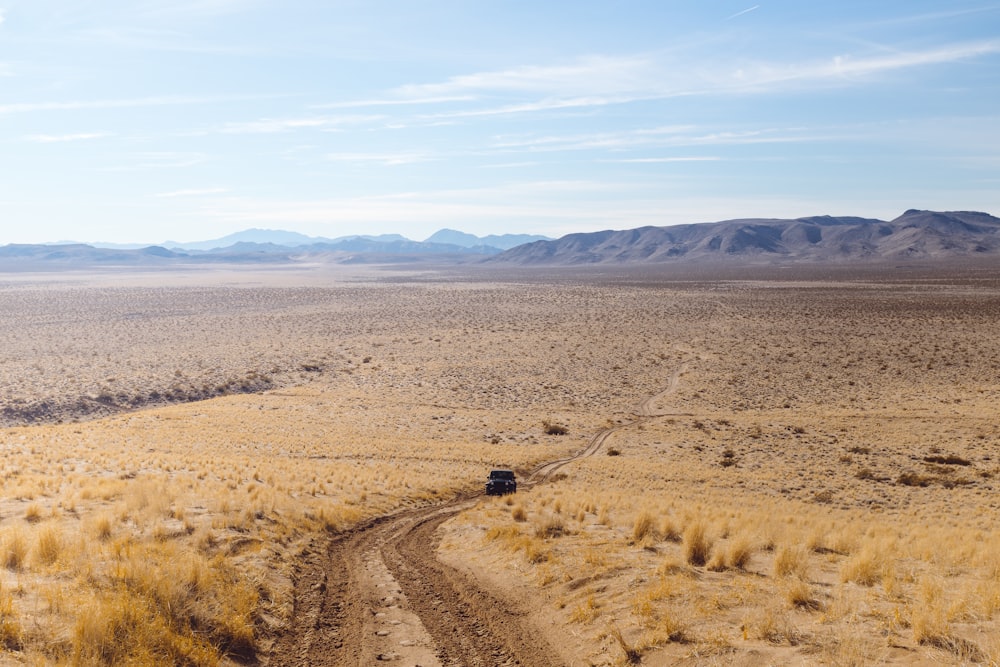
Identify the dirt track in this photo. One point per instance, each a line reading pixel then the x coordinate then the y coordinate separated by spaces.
pixel 378 593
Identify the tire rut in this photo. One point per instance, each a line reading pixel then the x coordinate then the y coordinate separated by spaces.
pixel 377 594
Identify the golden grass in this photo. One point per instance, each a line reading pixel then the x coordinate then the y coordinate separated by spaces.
pixel 783 462
pixel 768 499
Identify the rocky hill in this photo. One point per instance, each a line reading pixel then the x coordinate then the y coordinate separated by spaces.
pixel 913 235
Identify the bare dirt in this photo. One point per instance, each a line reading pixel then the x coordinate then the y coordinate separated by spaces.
pixel 378 594
pixel 832 437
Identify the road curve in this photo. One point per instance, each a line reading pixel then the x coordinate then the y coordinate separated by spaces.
pixel 377 594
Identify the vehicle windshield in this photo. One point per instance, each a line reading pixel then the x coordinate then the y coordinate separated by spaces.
pixel 501 474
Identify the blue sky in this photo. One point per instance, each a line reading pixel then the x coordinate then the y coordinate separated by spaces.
pixel 149 120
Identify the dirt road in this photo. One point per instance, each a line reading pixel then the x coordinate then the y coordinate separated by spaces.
pixel 378 594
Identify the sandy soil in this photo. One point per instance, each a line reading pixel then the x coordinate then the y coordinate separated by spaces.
pixel 836 416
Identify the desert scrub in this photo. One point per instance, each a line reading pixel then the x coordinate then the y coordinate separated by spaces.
pixel 13 549
pixel 696 544
pixel 868 566
pixel 643 527
pixel 791 560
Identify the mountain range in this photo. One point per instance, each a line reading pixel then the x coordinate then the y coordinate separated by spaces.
pixel 921 235
pixel 913 235
pixel 444 240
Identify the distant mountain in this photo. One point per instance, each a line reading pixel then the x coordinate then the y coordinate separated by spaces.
pixel 502 242
pixel 921 235
pixel 389 248
pixel 81 253
pixel 274 237
pixel 913 235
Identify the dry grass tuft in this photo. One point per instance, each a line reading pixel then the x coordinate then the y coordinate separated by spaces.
pixel 48 546
pixel 642 527
pixel 791 560
pixel 13 549
pixel 867 567
pixel 632 655
pixel 696 544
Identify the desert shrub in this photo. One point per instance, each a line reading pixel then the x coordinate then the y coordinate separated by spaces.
pixel 791 560
pixel 773 626
pixel 668 530
pixel 696 545
pixel 550 526
pixel 738 552
pixel 800 595
pixel 913 479
pixel 642 527
pixel 551 428
pixel 949 459
pixel 518 513
pixel 586 611
pixel 33 513
pixel 11 631
pixel 48 546
pixel 14 550
pixel 102 527
pixel 632 655
pixel 865 567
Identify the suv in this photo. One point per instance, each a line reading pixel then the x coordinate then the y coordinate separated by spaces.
pixel 501 482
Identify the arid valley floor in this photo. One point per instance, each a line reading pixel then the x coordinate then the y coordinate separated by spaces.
pixel 788 467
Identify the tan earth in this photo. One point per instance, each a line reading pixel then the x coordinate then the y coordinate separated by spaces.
pixel 763 466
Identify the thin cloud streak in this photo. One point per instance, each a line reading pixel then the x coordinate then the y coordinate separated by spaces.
pixel 166 100
pixel 655 160
pixel 193 192
pixel 394 102
pixel 276 125
pixel 599 82
pixel 606 73
pixel 656 138
pixel 388 159
pixel 63 138
pixel 745 11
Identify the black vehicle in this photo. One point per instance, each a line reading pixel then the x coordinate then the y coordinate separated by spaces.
pixel 501 482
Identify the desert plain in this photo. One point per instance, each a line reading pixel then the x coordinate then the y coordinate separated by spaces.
pixel 783 465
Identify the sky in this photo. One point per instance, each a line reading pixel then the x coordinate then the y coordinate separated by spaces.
pixel 141 121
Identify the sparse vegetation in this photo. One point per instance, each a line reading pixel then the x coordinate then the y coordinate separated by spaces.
pixel 551 428
pixel 817 539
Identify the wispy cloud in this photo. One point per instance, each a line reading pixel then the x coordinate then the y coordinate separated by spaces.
pixel 194 192
pixel 388 159
pixel 166 100
pixel 655 160
pixel 387 102
pixel 745 11
pixel 845 67
pixel 2 16
pixel 582 77
pixel 275 125
pixel 600 81
pixel 674 136
pixel 60 138
pixel 545 105
pixel 161 160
